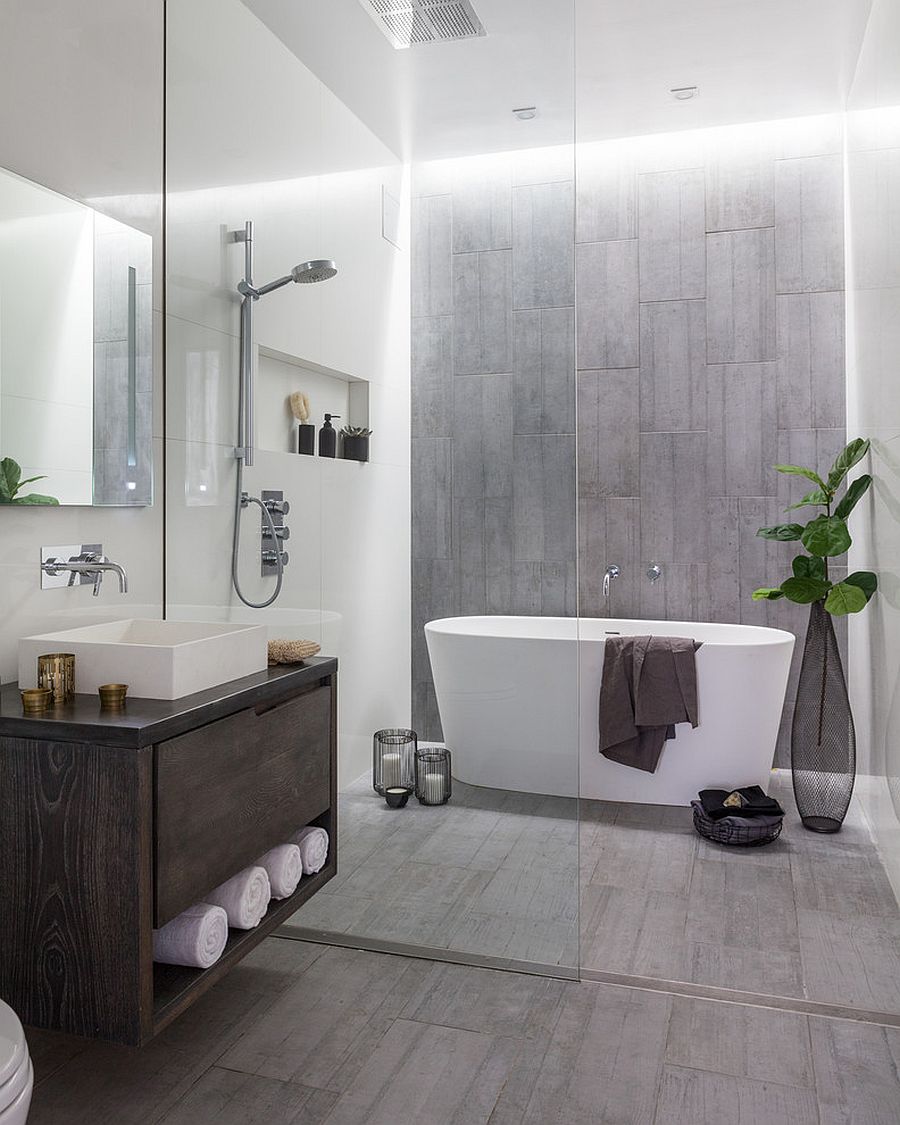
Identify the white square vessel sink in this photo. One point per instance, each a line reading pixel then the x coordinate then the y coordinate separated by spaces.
pixel 157 659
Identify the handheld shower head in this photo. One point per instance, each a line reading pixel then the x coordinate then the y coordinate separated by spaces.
pixel 320 269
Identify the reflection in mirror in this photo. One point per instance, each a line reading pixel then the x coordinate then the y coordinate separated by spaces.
pixel 75 352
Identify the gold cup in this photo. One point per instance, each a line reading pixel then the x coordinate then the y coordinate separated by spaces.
pixel 36 700
pixel 112 696
pixel 56 671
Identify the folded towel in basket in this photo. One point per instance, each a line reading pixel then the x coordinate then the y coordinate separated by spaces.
pixel 196 937
pixel 284 866
pixel 313 845
pixel 244 898
pixel 753 803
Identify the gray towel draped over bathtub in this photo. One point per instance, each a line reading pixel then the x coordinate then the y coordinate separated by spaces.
pixel 649 684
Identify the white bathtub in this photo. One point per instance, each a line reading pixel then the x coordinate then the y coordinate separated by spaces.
pixel 518 699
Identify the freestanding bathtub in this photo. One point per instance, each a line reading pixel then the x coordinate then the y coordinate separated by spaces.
pixel 518 699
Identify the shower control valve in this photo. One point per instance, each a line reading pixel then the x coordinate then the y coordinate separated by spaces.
pixel 281 533
pixel 282 507
pixel 654 572
pixel 270 558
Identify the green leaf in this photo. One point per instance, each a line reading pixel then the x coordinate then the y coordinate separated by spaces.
pixel 799 471
pixel 865 580
pixel 845 598
pixel 826 536
pixel 806 566
pixel 35 498
pixel 817 496
pixel 845 461
pixel 854 492
pixel 10 472
pixel 805 590
pixel 767 593
pixel 783 532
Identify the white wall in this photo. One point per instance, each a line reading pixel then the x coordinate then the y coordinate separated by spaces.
pixel 873 287
pixel 254 135
pixel 81 112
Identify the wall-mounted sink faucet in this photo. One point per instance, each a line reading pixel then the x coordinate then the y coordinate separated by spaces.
pixel 85 565
pixel 612 572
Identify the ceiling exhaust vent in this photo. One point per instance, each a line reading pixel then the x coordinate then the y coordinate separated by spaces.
pixel 409 23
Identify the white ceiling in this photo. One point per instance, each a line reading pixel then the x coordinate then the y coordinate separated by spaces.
pixel 602 68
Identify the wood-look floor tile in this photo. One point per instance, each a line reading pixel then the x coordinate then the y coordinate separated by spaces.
pixel 228 1097
pixel 634 931
pixel 769 972
pixel 851 881
pixel 743 906
pixel 851 959
pixel 428 1075
pixel 322 1030
pixel 759 1043
pixel 604 1058
pixel 857 1072
pixel 695 1097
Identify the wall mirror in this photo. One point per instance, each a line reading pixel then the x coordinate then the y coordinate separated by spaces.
pixel 76 352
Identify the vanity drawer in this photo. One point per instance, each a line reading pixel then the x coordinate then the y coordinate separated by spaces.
pixel 229 791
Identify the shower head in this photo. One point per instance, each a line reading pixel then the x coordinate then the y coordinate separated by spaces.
pixel 321 269
pixel 308 273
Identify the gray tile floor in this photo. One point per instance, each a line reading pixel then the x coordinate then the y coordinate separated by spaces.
pixel 303 1034
pixel 494 873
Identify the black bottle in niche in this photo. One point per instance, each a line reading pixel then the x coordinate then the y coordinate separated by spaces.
pixel 306 438
pixel 328 437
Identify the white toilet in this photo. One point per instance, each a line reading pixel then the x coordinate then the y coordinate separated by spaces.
pixel 16 1074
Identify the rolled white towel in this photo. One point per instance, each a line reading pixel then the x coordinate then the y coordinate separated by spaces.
pixel 244 898
pixel 284 866
pixel 196 937
pixel 313 845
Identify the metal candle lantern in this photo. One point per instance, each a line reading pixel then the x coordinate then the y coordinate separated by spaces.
pixel 394 759
pixel 433 784
pixel 56 671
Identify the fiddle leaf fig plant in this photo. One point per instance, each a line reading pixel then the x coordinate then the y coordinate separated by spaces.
pixel 824 537
pixel 11 485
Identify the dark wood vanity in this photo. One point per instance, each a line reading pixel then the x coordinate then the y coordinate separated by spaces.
pixel 111 824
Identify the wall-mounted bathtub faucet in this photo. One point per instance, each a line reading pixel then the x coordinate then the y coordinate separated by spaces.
pixel 654 572
pixel 88 566
pixel 612 572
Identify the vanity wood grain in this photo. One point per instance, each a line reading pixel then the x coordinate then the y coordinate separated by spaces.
pixel 111 824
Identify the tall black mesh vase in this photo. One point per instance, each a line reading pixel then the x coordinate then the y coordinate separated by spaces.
pixel 823 741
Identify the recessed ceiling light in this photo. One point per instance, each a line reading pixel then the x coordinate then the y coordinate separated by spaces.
pixel 684 93
pixel 526 112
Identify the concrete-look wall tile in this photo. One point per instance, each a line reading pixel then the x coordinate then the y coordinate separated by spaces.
pixel 609 436
pixel 742 429
pixel 559 589
pixel 680 594
pixel 673 491
pixel 526 590
pixel 544 385
pixel 813 449
pixel 498 555
pixel 426 719
pixel 673 366
pixel 809 224
pixel 482 205
pixel 740 303
pixel 763 562
pixel 431 274
pixel 482 308
pixel 433 596
pixel 482 436
pixel 607 304
pixel 608 534
pixel 543 245
pixel 544 497
pixel 431 498
pixel 468 556
pixel 672 228
pixel 724 560
pixel 432 376
pixel 605 193
pixel 740 180
pixel 811 384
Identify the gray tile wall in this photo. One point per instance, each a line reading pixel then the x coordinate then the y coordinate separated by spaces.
pixel 710 345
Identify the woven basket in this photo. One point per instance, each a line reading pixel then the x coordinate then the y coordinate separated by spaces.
pixel 745 835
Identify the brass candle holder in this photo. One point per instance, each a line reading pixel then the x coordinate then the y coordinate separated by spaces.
pixel 56 671
pixel 112 696
pixel 36 700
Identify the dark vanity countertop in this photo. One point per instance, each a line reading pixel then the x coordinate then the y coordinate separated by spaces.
pixel 146 721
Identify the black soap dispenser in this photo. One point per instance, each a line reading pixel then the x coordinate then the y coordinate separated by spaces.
pixel 328 437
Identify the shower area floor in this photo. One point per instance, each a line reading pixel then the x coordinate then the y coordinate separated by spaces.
pixel 494 875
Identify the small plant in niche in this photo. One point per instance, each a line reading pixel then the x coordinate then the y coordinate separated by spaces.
pixel 355 443
pixel 825 537
pixel 11 485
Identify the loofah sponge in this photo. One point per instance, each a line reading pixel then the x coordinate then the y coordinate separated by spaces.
pixel 291 652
